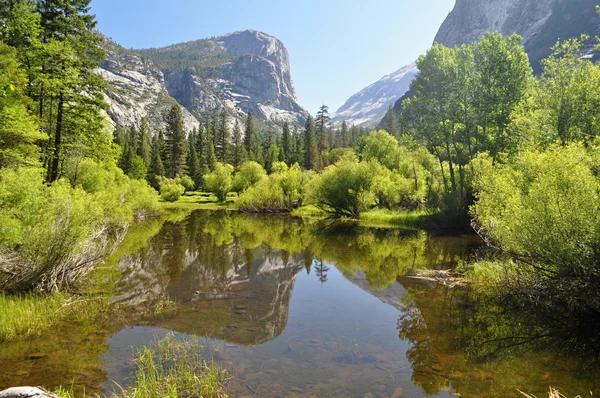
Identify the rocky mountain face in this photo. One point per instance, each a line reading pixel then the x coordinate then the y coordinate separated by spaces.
pixel 367 107
pixel 136 88
pixel 541 23
pixel 247 71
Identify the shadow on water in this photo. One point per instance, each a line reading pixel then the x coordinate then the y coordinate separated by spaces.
pixel 296 307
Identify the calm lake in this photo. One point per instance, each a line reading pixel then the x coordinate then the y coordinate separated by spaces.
pixel 305 308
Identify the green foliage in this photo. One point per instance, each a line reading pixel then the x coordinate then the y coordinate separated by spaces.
pixel 19 131
pixel 248 174
pixel 186 182
pixel 562 106
pixel 463 100
pixel 344 189
pixel 200 55
pixel 58 228
pixel 281 191
pixel 175 143
pixel 170 190
pixel 220 181
pixel 544 208
pixel 382 147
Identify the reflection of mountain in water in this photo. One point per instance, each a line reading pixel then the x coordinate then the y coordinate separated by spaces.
pixel 247 305
pixel 242 296
pixel 231 276
pixel 390 295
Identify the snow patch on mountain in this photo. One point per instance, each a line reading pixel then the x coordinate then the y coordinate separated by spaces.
pixel 368 106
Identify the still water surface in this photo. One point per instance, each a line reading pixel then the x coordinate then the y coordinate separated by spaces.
pixel 302 308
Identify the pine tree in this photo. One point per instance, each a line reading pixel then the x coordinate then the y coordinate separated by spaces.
pixel 215 132
pixel 390 122
pixel 293 153
pixel 286 143
pixel 223 145
pixel 344 135
pixel 143 145
pixel 321 129
pixel 193 163
pixel 239 152
pixel 209 153
pixel 310 147
pixel 248 133
pixel 175 143
pixel 272 150
pixel 157 168
pixel 68 93
pixel 299 146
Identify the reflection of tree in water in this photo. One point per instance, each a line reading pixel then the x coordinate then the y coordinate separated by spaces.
pixel 321 269
pixel 474 343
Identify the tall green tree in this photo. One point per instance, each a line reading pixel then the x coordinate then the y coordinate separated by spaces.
pixel 390 122
pixel 344 134
pixel 144 141
pixel 19 132
pixel 193 162
pixel 69 94
pixel 175 143
pixel 321 130
pixel 157 167
pixel 223 145
pixel 239 151
pixel 563 105
pixel 310 146
pixel 209 150
pixel 286 143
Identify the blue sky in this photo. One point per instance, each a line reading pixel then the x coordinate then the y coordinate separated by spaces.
pixel 336 47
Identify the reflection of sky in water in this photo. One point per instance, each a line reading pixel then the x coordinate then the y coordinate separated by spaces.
pixel 339 341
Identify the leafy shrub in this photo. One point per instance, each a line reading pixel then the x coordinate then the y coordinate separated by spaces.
pixel 186 182
pixel 248 174
pixel 53 235
pixel 220 180
pixel 544 208
pixel 382 147
pixel 282 191
pixel 171 191
pixel 344 189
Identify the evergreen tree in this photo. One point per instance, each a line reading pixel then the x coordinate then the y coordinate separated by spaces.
pixel 293 151
pixel 175 143
pixel 68 93
pixel 239 152
pixel 157 168
pixel 321 129
pixel 193 162
pixel 272 150
pixel 223 139
pixel 209 153
pixel 390 122
pixel 310 146
pixel 344 135
pixel 215 132
pixel 286 142
pixel 299 146
pixel 143 145
pixel 249 134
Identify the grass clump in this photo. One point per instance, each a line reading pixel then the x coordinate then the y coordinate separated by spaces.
pixel 29 314
pixel 397 218
pixel 175 369
pixel 171 369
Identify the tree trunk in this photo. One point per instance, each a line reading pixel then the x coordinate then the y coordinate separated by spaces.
pixel 57 139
